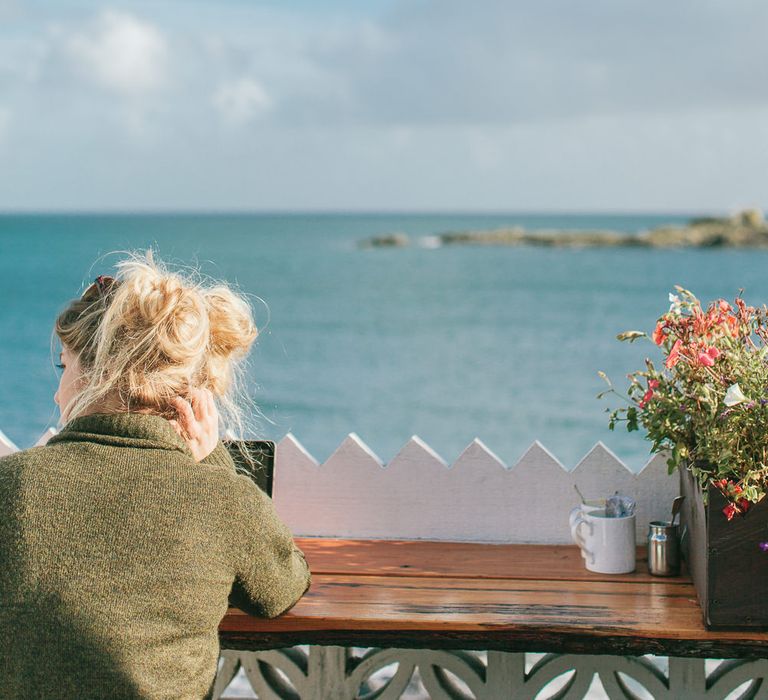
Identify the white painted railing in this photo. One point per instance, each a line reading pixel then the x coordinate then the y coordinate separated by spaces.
pixel 352 494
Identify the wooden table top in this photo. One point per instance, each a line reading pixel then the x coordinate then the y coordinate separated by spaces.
pixel 453 595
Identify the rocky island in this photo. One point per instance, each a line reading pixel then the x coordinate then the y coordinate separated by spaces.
pixel 747 229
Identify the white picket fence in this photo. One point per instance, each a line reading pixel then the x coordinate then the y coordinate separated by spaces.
pixel 476 498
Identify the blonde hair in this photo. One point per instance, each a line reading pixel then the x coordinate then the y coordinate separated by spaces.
pixel 149 335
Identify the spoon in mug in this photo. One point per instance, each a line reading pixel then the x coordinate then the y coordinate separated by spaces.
pixel 676 504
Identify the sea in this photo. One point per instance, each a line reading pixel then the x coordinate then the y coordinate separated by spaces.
pixel 452 343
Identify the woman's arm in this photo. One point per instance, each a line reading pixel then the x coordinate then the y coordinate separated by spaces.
pixel 271 572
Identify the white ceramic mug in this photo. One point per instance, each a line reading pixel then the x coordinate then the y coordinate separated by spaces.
pixel 607 544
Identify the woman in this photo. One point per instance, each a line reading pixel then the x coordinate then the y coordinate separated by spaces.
pixel 122 540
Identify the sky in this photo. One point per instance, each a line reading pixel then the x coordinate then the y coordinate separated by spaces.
pixel 385 105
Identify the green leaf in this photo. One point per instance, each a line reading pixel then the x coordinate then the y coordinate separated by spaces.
pixel 631 336
pixel 632 419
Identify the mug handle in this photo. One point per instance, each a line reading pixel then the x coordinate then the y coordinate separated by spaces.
pixel 577 520
pixel 573 518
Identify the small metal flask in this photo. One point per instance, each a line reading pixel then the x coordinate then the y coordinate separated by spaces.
pixel 663 548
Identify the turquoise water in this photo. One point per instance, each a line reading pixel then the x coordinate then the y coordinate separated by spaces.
pixel 452 343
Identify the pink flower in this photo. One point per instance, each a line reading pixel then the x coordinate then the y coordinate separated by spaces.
pixel 658 334
pixel 733 508
pixel 674 355
pixel 652 385
pixel 744 505
pixel 708 356
pixel 705 359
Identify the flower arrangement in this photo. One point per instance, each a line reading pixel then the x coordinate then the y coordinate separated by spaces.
pixel 707 405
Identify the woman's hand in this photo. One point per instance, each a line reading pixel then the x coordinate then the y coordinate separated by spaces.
pixel 198 422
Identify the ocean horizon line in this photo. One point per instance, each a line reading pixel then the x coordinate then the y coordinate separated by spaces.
pixel 363 212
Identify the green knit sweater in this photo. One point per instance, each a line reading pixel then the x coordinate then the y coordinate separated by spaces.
pixel 118 554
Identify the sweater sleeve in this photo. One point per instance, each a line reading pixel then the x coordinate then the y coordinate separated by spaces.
pixel 272 574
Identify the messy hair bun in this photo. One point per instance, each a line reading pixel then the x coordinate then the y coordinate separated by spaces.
pixel 152 335
pixel 229 322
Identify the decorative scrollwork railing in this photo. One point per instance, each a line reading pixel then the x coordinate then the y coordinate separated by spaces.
pixel 336 673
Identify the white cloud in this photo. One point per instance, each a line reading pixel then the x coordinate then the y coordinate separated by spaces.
pixel 240 101
pixel 499 62
pixel 121 53
pixel 424 105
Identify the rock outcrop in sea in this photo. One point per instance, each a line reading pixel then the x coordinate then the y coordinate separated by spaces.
pixel 389 240
pixel 747 229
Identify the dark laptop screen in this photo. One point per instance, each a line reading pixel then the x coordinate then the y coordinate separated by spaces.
pixel 262 456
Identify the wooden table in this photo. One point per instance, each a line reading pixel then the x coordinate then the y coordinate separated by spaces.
pixel 447 595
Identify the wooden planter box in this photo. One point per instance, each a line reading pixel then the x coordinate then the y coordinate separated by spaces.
pixel 728 568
